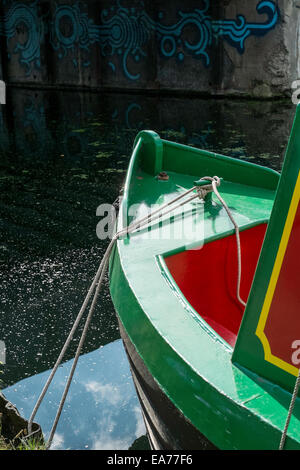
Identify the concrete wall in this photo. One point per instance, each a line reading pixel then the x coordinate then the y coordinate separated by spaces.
pixel 222 47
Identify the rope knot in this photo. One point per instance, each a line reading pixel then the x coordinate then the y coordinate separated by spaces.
pixel 207 185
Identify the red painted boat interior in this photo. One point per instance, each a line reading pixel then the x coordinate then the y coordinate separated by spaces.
pixel 207 277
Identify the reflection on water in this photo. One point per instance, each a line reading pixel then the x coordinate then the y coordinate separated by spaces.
pixel 101 411
pixel 62 154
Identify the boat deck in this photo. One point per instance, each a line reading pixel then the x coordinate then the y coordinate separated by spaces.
pixel 174 246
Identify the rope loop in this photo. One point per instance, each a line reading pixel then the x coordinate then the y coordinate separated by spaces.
pixel 208 188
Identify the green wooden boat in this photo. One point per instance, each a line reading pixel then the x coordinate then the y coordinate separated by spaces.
pixel 209 371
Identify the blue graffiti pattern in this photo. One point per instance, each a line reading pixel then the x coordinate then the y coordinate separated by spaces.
pixel 236 32
pixel 24 15
pixel 125 32
pixel 84 31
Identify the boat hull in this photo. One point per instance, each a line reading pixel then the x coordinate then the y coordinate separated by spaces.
pixel 167 428
pixel 181 359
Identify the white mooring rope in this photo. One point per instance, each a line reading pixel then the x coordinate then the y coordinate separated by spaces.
pixel 290 412
pixel 215 182
pixel 98 279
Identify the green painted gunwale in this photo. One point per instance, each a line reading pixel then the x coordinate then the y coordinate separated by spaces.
pixel 232 407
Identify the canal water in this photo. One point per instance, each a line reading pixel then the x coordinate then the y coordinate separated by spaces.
pixel 62 154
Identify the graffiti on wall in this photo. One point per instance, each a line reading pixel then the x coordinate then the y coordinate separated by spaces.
pixel 24 18
pixel 123 33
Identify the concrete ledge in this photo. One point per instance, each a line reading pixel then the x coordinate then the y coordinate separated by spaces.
pixel 13 427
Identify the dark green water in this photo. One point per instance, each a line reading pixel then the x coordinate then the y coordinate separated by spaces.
pixel 62 154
